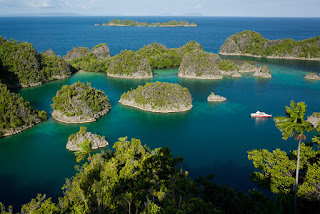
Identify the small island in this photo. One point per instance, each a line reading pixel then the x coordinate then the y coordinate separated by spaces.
pixel 159 97
pixel 229 68
pixel 130 23
pixel 16 115
pixel 75 140
pixel 79 103
pixel 263 72
pixel 199 64
pixel 250 43
pixel 247 68
pixel 312 76
pixel 130 65
pixel 314 119
pixel 215 98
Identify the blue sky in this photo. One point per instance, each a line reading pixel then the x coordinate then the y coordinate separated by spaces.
pixel 256 8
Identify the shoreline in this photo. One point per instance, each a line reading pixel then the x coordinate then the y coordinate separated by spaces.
pixel 21 129
pixel 123 102
pixel 54 115
pixel 200 78
pixel 270 57
pixel 128 77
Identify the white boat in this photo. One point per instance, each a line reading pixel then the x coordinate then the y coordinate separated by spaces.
pixel 260 114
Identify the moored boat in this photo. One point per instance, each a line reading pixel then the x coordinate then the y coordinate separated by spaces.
pixel 260 114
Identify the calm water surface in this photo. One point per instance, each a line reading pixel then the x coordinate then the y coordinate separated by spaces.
pixel 212 138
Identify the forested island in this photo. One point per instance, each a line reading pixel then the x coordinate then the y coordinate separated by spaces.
pixel 130 23
pixel 250 43
pixel 79 103
pixel 159 97
pixel 16 114
pixel 22 66
pixel 312 76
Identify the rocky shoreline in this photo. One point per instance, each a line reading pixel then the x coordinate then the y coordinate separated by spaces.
pixel 147 107
pixel 57 115
pixel 312 76
pixel 134 76
pixel 216 98
pixel 97 141
pixel 203 77
pixel 13 131
pixel 269 57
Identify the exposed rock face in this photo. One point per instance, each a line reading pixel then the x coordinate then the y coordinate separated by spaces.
pixel 250 43
pixel 101 51
pixel 79 103
pixel 190 46
pixel 97 141
pixel 76 53
pixel 130 65
pixel 200 65
pixel 314 119
pixel 312 76
pixel 215 98
pixel 159 97
pixel 263 72
pixel 247 68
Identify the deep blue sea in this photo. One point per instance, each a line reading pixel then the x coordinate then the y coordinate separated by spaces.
pixel 212 138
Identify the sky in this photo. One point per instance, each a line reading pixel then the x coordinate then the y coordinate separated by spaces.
pixel 245 8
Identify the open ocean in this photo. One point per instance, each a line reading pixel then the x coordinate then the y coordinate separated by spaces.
pixel 212 138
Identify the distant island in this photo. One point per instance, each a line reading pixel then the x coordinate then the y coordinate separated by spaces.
pixel 159 97
pixel 79 103
pixel 250 43
pixel 130 23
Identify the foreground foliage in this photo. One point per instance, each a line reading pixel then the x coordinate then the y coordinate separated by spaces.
pixel 15 113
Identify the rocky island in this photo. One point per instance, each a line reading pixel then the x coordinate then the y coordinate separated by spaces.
pixel 200 65
pixel 314 119
pixel 159 97
pixel 79 103
pixel 247 68
pixel 22 66
pixel 130 23
pixel 16 114
pixel 312 76
pixel 82 58
pixel 130 65
pixel 215 98
pixel 250 43
pixel 75 140
pixel 228 68
pixel 263 72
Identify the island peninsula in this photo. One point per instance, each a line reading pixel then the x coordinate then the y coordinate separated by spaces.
pixel 130 23
pixel 159 97
pixel 250 43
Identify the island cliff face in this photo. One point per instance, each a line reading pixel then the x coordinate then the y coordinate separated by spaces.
pixel 159 97
pixel 200 65
pixel 215 98
pixel 130 23
pixel 16 114
pixel 250 43
pixel 22 66
pixel 263 72
pixel 75 140
pixel 79 103
pixel 130 65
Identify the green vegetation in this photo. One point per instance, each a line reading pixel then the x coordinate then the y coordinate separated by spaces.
pixel 15 113
pixel 280 171
pixel 250 42
pixel 23 66
pixel 85 149
pixel 82 58
pixel 159 95
pixel 135 179
pixel 227 65
pixel 173 23
pixel 80 99
pixel 130 64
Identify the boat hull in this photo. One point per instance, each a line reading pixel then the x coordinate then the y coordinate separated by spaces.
pixel 261 116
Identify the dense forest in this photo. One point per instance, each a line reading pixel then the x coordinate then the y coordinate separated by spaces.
pixel 250 42
pixel 22 66
pixel 15 113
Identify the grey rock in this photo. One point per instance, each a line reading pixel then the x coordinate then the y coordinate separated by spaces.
pixel 101 51
pixel 97 140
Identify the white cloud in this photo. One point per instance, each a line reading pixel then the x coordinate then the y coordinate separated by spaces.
pixel 198 6
pixel 39 3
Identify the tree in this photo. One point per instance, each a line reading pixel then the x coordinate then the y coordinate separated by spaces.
pixel 294 125
pixel 86 149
